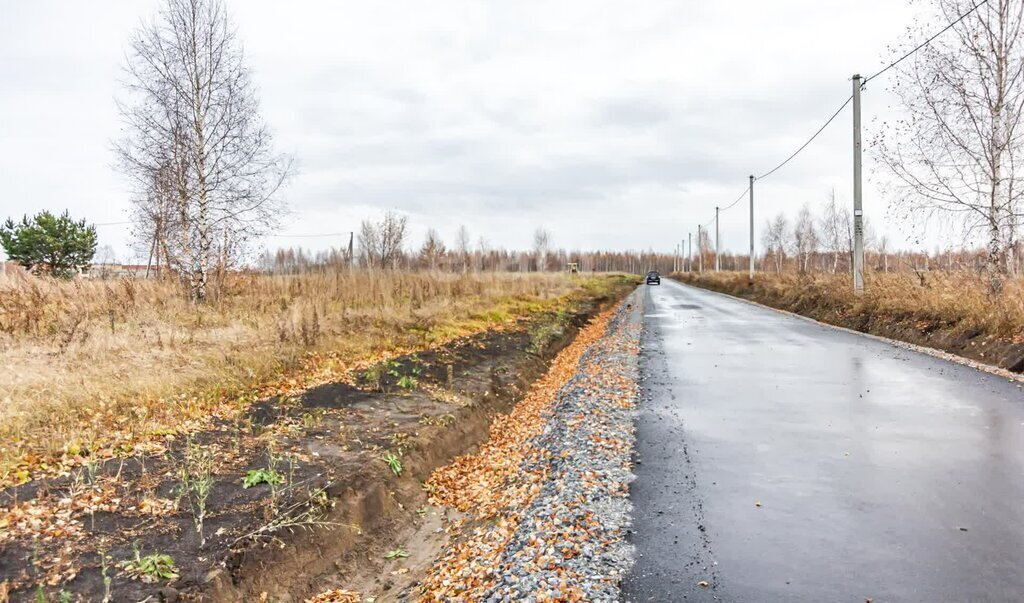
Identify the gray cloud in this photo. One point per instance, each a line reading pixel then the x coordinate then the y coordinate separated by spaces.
pixel 614 124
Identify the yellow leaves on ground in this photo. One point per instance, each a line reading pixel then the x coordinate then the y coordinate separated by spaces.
pixel 336 596
pixel 493 485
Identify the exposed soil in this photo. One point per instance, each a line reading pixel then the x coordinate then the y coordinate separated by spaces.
pixel 337 511
pixel 966 341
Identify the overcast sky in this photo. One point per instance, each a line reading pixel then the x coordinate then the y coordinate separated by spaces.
pixel 612 124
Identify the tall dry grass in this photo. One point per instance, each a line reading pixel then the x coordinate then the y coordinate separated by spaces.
pixel 955 300
pixel 90 365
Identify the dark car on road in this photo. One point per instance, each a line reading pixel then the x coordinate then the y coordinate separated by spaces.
pixel 653 278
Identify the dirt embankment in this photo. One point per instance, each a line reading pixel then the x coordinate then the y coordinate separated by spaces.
pixel 303 493
pixel 918 309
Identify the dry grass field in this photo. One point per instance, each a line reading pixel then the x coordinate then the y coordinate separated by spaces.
pixel 93 368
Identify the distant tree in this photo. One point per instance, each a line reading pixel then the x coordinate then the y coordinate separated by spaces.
pixel 45 243
pixel 541 247
pixel 805 238
pixel 775 238
pixel 836 230
pixel 705 250
pixel 432 251
pixel 201 158
pixel 380 243
pixel 482 250
pixel 462 246
pixel 956 154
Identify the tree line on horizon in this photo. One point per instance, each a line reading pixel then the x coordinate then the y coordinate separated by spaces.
pixel 207 179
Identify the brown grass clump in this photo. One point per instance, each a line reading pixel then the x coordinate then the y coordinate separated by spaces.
pixel 956 298
pixel 98 367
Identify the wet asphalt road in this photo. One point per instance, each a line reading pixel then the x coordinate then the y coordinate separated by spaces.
pixel 882 473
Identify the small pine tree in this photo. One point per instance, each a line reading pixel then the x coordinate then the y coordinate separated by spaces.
pixel 45 243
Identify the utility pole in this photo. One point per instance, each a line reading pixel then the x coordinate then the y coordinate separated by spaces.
pixel 718 260
pixel 700 249
pixel 689 263
pixel 750 279
pixel 351 249
pixel 858 209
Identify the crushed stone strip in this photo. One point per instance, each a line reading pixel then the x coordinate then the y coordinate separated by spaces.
pixel 553 482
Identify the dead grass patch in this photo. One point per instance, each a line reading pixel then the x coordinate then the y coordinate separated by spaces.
pixel 97 368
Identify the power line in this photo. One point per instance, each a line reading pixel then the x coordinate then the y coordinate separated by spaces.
pixel 846 103
pixel 926 42
pixel 721 209
pixel 809 141
pixel 791 157
pixel 309 236
pixel 738 199
pixel 289 236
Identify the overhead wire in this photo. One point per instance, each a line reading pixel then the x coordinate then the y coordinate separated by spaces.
pixel 847 102
pixel 792 156
pixel 309 236
pixel 926 42
pixel 809 141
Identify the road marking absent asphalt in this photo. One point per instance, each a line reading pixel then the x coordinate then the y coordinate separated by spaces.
pixel 935 353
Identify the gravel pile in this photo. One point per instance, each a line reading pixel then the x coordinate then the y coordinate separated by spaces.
pixel 563 538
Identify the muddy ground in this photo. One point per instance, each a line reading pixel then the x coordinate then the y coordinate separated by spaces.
pixel 339 471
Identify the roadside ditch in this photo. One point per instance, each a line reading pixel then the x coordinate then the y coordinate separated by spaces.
pixel 295 496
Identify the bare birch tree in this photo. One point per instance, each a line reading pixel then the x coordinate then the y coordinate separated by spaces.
pixel 380 243
pixel 432 251
pixel 836 230
pixel 805 238
pixel 462 246
pixel 194 140
pixel 541 247
pixel 776 234
pixel 956 155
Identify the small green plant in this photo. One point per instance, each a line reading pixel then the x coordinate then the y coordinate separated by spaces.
pixel 65 597
pixel 398 553
pixel 105 572
pixel 150 569
pixel 422 511
pixel 373 376
pixel 255 477
pixel 429 488
pixel 312 420
pixel 92 470
pixel 393 461
pixel 407 382
pixel 195 483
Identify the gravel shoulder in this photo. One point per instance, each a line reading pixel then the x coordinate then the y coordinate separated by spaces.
pixel 544 503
